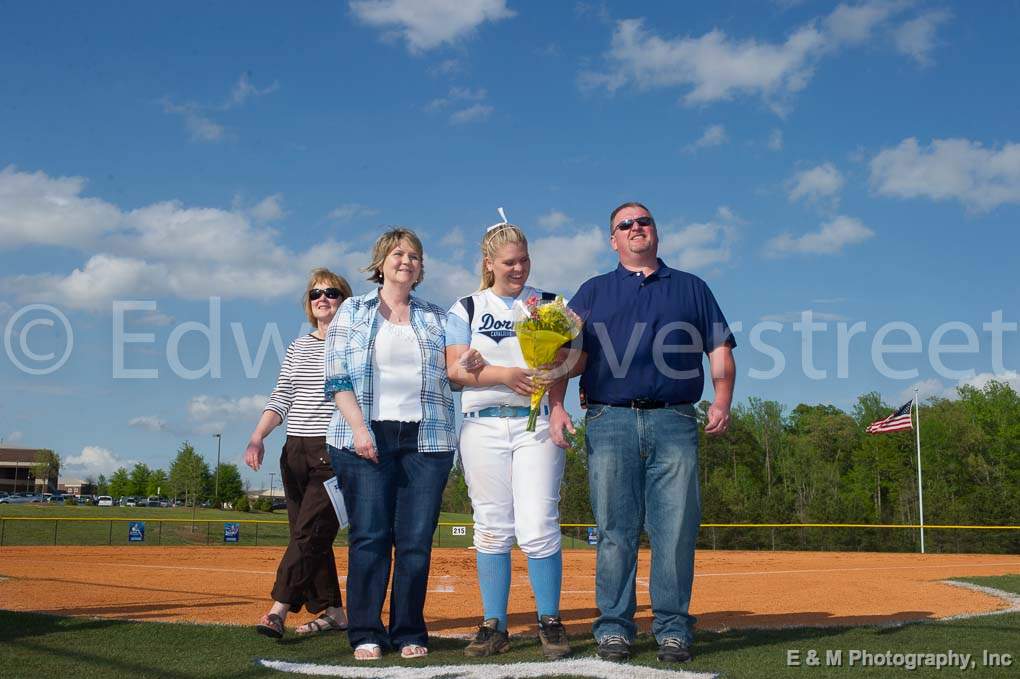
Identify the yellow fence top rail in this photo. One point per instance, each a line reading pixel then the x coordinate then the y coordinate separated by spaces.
pixel 562 525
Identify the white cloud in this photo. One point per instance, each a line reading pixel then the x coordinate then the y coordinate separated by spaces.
pixel 934 387
pixel 830 239
pixel 949 169
pixel 715 66
pixel 93 461
pixel 775 142
pixel 210 413
pixel 561 263
pixel 981 380
pixel 817 183
pixel 36 209
pixel 455 95
pixel 446 282
pixel 152 318
pixel 268 209
pixel 454 238
pixel 160 249
pixel 200 126
pixel 149 423
pixel 925 390
pixel 916 38
pixel 351 211
pixel 472 114
pixel 14 437
pixel 698 246
pixel 426 24
pixel 103 278
pixel 554 219
pixel 855 24
pixel 197 117
pixel 446 67
pixel 714 135
pixel 244 90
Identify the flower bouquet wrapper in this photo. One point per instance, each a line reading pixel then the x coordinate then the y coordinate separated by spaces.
pixel 542 327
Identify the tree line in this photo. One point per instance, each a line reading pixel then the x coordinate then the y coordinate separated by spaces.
pixel 816 464
pixel 189 479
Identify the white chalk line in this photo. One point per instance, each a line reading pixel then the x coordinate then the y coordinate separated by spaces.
pixel 1012 600
pixel 588 667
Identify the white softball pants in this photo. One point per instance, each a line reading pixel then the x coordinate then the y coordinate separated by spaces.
pixel 513 479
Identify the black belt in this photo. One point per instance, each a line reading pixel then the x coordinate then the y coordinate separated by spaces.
pixel 641 404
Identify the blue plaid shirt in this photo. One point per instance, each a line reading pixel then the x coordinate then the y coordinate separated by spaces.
pixel 350 345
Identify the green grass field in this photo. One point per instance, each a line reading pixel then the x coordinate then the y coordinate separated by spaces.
pixel 33 645
pixel 87 525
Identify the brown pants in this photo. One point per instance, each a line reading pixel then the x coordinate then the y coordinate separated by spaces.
pixel 307 573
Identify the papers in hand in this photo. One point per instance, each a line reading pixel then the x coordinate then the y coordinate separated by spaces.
pixel 332 486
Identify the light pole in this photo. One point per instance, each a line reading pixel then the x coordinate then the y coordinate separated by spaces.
pixel 219 439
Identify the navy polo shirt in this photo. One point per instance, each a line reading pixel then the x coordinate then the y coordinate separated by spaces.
pixel 645 336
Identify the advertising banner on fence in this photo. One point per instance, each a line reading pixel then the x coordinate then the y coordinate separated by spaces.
pixel 136 531
pixel 231 532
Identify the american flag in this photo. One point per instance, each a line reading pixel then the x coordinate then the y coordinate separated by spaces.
pixel 898 421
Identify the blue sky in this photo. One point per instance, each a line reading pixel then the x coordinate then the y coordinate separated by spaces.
pixel 858 160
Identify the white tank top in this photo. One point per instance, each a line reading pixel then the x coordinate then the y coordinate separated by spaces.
pixel 396 374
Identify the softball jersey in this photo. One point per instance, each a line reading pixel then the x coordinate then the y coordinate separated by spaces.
pixel 485 321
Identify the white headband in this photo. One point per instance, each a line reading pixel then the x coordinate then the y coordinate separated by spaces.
pixel 502 215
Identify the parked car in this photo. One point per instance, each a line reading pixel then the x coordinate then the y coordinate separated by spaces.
pixel 85 500
pixel 19 499
pixel 55 499
pixel 105 501
pixel 129 501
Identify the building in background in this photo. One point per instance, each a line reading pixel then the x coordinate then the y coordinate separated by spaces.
pixel 18 467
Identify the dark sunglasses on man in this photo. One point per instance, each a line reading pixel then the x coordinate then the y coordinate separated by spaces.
pixel 640 221
pixel 330 293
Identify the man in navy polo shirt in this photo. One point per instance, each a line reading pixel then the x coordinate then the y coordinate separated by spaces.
pixel 646 329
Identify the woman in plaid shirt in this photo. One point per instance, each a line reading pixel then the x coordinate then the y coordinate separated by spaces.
pixel 391 442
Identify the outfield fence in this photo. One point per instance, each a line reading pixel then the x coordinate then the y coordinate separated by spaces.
pixel 20 531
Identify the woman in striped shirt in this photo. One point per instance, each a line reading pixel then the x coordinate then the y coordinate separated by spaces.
pixel 307 573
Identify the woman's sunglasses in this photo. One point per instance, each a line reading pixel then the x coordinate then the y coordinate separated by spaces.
pixel 330 293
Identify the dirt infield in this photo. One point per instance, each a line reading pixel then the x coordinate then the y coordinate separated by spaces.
pixel 732 589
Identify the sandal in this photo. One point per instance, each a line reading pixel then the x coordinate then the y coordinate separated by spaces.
pixel 323 623
pixel 412 651
pixel 367 652
pixel 271 625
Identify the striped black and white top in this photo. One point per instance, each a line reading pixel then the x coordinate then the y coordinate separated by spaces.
pixel 297 397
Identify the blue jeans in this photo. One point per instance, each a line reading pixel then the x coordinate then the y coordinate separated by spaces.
pixel 392 505
pixel 643 473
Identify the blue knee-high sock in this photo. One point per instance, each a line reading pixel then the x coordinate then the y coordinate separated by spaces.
pixel 546 576
pixel 494 582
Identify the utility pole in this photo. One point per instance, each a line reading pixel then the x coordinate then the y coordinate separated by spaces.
pixel 219 439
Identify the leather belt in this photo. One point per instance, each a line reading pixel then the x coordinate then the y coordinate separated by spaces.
pixel 641 404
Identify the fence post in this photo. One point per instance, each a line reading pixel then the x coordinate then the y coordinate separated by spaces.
pixel 3 525
pixel 256 533
pixel 56 522
pixel 109 536
pixel 207 527
pixel 159 533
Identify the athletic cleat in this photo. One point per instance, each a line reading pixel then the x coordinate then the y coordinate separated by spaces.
pixel 614 647
pixel 553 636
pixel 488 641
pixel 674 650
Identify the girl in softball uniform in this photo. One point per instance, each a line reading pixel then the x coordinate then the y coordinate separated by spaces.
pixel 513 476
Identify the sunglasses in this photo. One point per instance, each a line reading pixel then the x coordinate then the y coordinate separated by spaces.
pixel 330 293
pixel 640 221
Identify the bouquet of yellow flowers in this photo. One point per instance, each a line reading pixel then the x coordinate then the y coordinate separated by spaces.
pixel 542 327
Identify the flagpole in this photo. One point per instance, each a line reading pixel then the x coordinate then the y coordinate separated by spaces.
pixel 920 492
